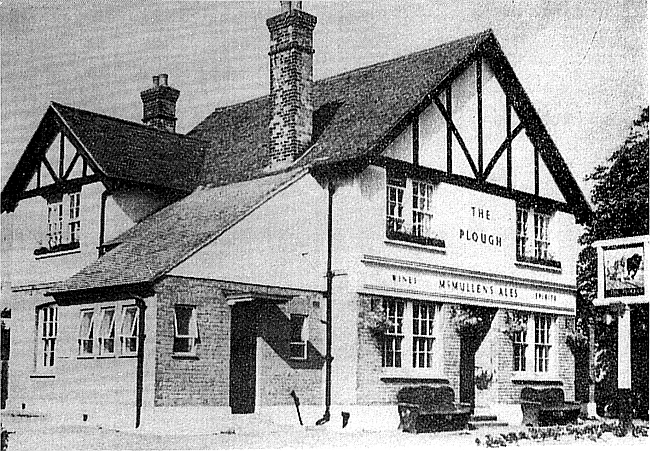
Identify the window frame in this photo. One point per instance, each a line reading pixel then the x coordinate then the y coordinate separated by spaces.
pixel 134 331
pixel 300 345
pixel 47 327
pixel 531 235
pixel 89 335
pixel 529 349
pixel 74 217
pixel 54 223
pixel 543 345
pixel 102 337
pixel 410 210
pixel 405 350
pixel 192 336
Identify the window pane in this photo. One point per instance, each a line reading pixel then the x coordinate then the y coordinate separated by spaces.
pixel 183 317
pixel 85 330
pixel 128 320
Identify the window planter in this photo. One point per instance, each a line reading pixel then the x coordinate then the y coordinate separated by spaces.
pixel 409 238
pixel 538 261
pixel 58 248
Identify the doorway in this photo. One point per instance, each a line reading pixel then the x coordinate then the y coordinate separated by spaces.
pixel 243 352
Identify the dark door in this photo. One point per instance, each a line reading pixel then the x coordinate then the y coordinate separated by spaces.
pixel 243 346
pixel 4 358
pixel 467 362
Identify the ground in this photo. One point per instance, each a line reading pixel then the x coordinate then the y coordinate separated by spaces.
pixel 42 434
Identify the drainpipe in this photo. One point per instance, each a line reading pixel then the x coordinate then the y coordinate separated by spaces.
pixel 102 222
pixel 139 373
pixel 328 323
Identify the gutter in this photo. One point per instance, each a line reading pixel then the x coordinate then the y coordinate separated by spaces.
pixel 328 321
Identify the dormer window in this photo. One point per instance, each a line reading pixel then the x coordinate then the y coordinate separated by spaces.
pixel 63 224
pixel 409 217
pixel 532 237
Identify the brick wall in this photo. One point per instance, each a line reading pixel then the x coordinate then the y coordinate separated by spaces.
pixel 278 374
pixel 204 381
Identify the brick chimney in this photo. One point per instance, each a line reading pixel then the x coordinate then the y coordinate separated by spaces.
pixel 291 55
pixel 159 104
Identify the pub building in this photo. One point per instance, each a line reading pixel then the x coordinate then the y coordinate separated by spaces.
pixel 411 222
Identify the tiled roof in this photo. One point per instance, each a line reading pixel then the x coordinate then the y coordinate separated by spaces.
pixel 352 111
pixel 136 152
pixel 169 236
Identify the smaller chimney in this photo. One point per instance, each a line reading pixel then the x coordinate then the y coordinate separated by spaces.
pixel 159 104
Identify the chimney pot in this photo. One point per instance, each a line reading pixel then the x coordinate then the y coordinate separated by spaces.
pixel 288 6
pixel 159 105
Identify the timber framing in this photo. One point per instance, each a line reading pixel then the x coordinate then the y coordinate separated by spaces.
pixel 516 100
pixel 436 176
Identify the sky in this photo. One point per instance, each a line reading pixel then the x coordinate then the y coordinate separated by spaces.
pixel 583 63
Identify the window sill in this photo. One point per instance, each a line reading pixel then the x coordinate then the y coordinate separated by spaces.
pixel 57 254
pixel 85 357
pixel 530 379
pixel 414 379
pixel 185 356
pixel 106 356
pixel 42 376
pixel 431 248
pixel 539 265
pixel 127 356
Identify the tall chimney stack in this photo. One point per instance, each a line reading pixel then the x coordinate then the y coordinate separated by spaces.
pixel 291 76
pixel 159 104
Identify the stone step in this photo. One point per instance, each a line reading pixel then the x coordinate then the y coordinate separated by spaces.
pixel 484 417
pixel 486 424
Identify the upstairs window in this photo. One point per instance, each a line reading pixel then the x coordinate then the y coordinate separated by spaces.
pixel 107 331
pixel 299 337
pixel 522 232
pixel 63 224
pixel 532 238
pixel 186 332
pixel 129 330
pixel 54 224
pixel 86 333
pixel 48 325
pixel 541 236
pixel 74 222
pixel 409 211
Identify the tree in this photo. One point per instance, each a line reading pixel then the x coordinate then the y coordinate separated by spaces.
pixel 620 199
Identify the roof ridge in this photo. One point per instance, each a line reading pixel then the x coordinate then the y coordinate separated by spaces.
pixel 483 34
pixel 128 122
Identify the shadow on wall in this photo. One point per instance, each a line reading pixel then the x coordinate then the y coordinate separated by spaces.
pixel 275 329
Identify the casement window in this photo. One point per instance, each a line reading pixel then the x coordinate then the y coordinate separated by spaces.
pixel 522 232
pixel 519 346
pixel 299 337
pixel 54 224
pixel 63 224
pixel 74 223
pixel 409 217
pixel 542 343
pixel 422 209
pixel 541 236
pixel 107 331
pixel 186 332
pixel 48 324
pixel 533 347
pixel 392 343
pixel 409 341
pixel 86 333
pixel 423 334
pixel 395 187
pixel 129 330
pixel 532 238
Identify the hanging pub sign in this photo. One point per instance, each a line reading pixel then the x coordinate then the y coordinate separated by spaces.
pixel 623 270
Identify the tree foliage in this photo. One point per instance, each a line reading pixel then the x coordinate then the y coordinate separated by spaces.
pixel 620 199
